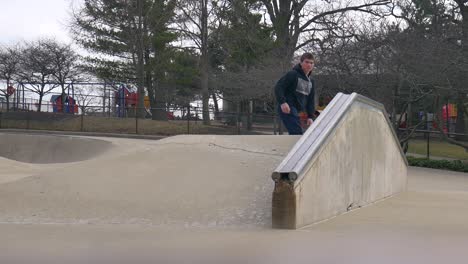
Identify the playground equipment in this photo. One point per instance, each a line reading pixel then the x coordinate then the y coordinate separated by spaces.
pixel 70 106
pixel 125 97
pixel 448 114
pixel 10 90
pixel 126 100
pixel 449 117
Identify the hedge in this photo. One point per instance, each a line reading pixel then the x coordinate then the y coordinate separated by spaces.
pixel 453 165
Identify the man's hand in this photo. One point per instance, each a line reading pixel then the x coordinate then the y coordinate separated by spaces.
pixel 285 108
pixel 309 122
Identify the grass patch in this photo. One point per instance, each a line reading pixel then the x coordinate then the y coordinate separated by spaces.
pixel 438 148
pixel 453 165
pixel 151 127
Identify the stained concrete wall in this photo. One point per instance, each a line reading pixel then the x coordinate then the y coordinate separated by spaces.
pixel 359 163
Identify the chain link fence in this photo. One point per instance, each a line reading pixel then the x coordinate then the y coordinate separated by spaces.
pixel 132 120
pixel 426 141
pixel 434 144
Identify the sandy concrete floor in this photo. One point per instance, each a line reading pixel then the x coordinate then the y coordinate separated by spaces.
pixel 193 181
pixel 206 199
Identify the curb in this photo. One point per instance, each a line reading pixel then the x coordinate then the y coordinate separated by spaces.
pixel 88 134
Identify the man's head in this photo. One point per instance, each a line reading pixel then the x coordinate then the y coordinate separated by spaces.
pixel 307 62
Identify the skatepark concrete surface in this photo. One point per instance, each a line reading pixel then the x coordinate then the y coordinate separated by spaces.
pixel 203 199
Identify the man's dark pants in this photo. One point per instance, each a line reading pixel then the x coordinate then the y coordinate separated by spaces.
pixel 291 121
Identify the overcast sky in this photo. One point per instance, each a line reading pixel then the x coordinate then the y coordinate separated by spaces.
pixel 31 19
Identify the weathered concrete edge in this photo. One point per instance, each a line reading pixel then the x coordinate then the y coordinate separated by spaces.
pixel 74 133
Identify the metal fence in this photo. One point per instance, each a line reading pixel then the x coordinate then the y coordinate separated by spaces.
pixel 131 120
pixel 433 144
pixel 425 141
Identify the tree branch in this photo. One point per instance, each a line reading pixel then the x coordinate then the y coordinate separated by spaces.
pixel 305 43
pixel 270 10
pixel 189 17
pixel 345 9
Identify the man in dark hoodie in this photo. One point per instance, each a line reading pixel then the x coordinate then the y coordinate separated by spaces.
pixel 295 93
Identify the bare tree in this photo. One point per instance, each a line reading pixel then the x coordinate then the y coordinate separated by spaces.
pixel 194 20
pixel 297 23
pixel 404 63
pixel 9 64
pixel 85 97
pixel 436 42
pixel 37 69
pixel 65 64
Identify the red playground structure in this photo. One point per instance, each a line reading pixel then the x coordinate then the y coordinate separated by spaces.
pixel 70 106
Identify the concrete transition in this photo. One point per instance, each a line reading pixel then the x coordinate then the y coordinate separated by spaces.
pixel 50 149
pixel 349 158
pixel 182 181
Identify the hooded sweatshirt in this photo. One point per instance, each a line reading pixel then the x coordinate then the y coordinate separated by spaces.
pixel 298 90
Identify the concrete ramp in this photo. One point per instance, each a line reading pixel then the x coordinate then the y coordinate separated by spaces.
pixel 43 149
pixel 349 158
pixel 183 181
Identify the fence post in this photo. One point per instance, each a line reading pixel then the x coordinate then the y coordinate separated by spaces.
pixel 1 117
pixel 428 139
pixel 136 120
pixel 428 135
pixel 188 119
pixel 250 116
pixel 238 122
pixel 82 117
pixel 28 117
pixel 274 124
pixel 109 109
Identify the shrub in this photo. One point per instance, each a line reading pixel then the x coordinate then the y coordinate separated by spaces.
pixel 454 165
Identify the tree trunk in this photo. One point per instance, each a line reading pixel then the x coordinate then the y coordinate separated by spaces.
pixel 140 111
pixel 204 62
pixel 286 41
pixel 396 95
pixel 157 112
pixel 40 102
pixel 216 106
pixel 7 96
pixel 461 96
pixel 250 115
pixel 409 113
pixel 7 103
pixel 62 97
pixel 284 50
pixel 104 100
pixel 464 13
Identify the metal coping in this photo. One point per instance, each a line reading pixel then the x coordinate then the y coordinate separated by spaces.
pixel 308 146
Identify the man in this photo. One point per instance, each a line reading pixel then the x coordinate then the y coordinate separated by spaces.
pixel 295 93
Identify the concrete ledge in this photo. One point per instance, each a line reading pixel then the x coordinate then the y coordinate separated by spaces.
pixel 88 134
pixel 349 158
